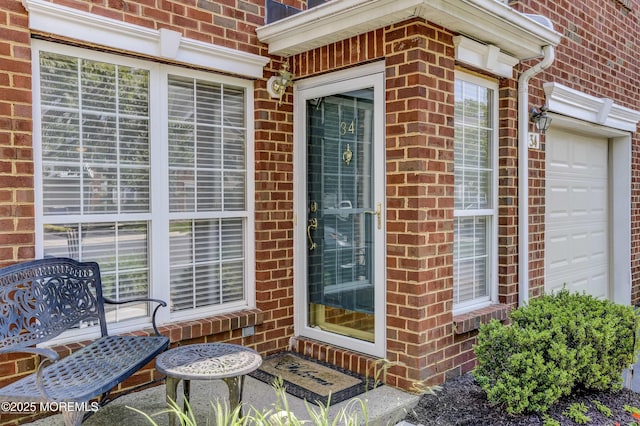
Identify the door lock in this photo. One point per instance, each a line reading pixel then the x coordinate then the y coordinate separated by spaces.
pixel 378 213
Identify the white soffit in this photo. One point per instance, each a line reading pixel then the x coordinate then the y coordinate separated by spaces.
pixel 489 21
pixel 75 24
pixel 573 103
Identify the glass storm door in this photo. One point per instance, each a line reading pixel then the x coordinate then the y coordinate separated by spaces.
pixel 344 220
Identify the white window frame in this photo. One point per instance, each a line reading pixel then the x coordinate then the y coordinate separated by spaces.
pixel 490 213
pixel 159 215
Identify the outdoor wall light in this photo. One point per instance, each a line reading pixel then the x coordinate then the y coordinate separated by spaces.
pixel 541 119
pixel 277 84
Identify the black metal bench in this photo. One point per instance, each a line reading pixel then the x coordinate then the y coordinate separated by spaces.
pixel 39 300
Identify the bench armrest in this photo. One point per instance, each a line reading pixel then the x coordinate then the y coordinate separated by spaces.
pixel 161 303
pixel 50 356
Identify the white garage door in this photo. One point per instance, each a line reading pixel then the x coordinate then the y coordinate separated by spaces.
pixel 577 237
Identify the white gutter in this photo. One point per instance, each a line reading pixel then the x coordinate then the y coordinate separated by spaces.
pixel 548 53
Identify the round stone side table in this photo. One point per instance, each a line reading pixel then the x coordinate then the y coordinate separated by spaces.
pixel 207 361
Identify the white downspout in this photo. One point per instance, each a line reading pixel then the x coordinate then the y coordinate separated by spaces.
pixel 523 171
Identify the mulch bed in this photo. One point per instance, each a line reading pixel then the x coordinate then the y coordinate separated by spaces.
pixel 462 402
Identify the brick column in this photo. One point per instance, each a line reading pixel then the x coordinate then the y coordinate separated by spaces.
pixel 16 162
pixel 508 194
pixel 420 177
pixel 274 217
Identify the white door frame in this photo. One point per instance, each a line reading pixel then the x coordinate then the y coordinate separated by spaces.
pixel 371 75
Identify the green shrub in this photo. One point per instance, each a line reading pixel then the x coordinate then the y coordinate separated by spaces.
pixel 600 332
pixel 523 369
pixel 549 421
pixel 578 413
pixel 606 411
pixel 555 344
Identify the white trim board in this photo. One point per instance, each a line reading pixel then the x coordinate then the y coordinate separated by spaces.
pixel 486 57
pixel 75 24
pixel 603 111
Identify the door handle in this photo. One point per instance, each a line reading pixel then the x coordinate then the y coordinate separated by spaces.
pixel 313 225
pixel 378 213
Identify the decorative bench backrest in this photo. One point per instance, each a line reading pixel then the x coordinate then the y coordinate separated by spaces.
pixel 42 298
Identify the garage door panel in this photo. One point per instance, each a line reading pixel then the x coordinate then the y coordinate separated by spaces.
pixel 556 199
pixel 576 199
pixel 594 285
pixel 557 252
pixel 599 245
pixel 559 155
pixel 587 158
pixel 591 281
pixel 577 153
pixel 579 248
pixel 576 242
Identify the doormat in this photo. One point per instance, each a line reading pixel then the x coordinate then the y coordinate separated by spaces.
pixel 310 379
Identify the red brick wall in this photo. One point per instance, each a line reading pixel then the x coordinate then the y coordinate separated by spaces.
pixel 274 217
pixel 335 56
pixel 16 162
pixel 16 159
pixel 597 56
pixel 419 126
pixel 508 193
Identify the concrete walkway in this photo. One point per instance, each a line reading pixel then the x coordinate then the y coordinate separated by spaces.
pixel 385 405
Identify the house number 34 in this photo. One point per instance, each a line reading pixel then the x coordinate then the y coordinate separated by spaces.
pixel 347 127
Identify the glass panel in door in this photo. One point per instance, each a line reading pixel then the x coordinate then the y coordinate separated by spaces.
pixel 341 214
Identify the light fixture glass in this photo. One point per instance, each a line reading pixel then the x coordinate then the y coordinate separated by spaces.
pixel 541 119
pixel 277 84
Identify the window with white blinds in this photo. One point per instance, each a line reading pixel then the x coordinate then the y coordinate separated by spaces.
pixel 155 193
pixel 207 175
pixel 475 198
